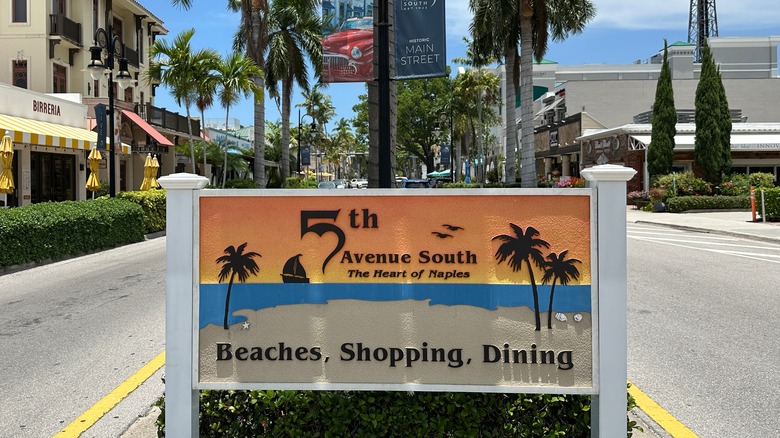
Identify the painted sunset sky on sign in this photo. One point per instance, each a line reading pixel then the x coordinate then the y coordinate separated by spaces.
pixel 415 225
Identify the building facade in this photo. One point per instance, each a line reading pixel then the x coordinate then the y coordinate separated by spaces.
pixel 45 49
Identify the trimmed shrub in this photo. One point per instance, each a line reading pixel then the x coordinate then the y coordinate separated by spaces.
pixel 683 184
pixel 153 204
pixel 240 184
pixel 739 184
pixel 53 230
pixel 373 414
pixel 771 203
pixel 298 183
pixel 678 204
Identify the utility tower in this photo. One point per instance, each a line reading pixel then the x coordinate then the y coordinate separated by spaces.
pixel 702 24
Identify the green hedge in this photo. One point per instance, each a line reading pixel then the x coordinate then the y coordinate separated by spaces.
pixel 679 204
pixel 153 204
pixel 53 230
pixel 391 414
pixel 771 203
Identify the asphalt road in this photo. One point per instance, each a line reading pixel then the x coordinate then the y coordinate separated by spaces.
pixel 702 327
pixel 72 331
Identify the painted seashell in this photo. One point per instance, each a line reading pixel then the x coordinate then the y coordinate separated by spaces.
pixel 577 317
pixel 560 317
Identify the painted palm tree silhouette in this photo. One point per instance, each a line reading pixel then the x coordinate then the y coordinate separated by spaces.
pixel 523 247
pixel 236 263
pixel 558 269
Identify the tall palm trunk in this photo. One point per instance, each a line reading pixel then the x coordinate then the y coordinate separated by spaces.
pixel 536 296
pixel 511 115
pixel 227 300
pixel 202 129
pixel 192 142
pixel 527 156
pixel 286 97
pixel 224 163
pixel 549 311
pixel 256 53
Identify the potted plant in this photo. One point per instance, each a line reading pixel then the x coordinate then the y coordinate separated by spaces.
pixel 639 198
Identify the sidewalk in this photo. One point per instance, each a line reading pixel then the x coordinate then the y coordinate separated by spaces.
pixel 731 223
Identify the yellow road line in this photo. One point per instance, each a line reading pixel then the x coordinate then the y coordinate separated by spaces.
pixel 93 414
pixel 659 414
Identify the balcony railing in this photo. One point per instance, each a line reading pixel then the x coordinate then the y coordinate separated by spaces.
pixel 163 118
pixel 62 26
pixel 131 56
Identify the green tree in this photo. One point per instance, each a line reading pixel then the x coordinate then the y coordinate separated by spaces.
pixel 499 25
pixel 725 127
pixel 708 150
pixel 206 90
pixel 252 36
pixel 561 270
pixel 235 79
pixel 181 69
pixel 419 104
pixel 660 153
pixel 521 248
pixel 318 105
pixel 294 36
pixel 236 263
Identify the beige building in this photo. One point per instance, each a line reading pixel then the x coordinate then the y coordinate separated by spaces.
pixel 44 52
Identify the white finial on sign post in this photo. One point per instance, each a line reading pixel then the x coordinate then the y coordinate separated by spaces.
pixel 609 406
pixel 181 400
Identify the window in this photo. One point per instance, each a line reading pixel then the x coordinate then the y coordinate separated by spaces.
pixel 19 11
pixel 128 94
pixel 60 79
pixel 20 73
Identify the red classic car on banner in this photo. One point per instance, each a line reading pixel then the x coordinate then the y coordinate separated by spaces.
pixel 348 54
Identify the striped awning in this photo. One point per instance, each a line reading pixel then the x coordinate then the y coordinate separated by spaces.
pixel 39 133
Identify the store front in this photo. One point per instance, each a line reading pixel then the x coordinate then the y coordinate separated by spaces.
pixel 50 146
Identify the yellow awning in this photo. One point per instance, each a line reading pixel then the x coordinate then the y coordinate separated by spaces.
pixel 50 134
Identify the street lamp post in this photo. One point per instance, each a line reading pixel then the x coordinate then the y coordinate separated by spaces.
pixel 313 129
pixel 443 119
pixel 97 67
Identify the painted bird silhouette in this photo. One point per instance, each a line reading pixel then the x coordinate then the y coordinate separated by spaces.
pixel 452 227
pixel 441 235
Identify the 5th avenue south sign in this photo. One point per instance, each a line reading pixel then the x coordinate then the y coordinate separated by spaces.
pixel 446 290
pixel 479 290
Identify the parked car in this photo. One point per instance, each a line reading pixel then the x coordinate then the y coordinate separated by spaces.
pixel 348 54
pixel 358 183
pixel 415 184
pixel 326 185
pixel 340 183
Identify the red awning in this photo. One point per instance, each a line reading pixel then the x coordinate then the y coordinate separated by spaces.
pixel 148 128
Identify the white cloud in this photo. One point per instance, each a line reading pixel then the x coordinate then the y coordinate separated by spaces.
pixel 653 14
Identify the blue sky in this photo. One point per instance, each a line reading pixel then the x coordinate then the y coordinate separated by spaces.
pixel 622 32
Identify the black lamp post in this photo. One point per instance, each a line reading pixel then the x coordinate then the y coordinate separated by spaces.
pixel 97 68
pixel 443 118
pixel 312 130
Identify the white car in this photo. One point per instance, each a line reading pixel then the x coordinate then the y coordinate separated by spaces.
pixel 358 183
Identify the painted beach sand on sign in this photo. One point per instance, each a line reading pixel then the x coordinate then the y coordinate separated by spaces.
pixel 467 290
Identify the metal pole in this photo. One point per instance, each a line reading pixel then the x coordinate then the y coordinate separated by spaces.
pixel 111 153
pixel 383 80
pixel 299 143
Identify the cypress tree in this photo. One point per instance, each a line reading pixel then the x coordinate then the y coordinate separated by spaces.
pixel 660 153
pixel 708 154
pixel 725 127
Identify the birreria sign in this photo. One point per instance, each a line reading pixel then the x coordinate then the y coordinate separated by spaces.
pixel 392 290
pixel 420 50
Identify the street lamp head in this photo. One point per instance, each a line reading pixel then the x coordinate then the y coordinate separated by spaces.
pixel 437 129
pixel 443 116
pixel 96 66
pixel 123 78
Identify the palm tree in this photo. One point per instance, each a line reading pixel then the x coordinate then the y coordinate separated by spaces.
pixel 234 79
pixel 499 25
pixel 523 247
pixel 317 104
pixel 205 91
pixel 180 68
pixel 558 269
pixel 236 263
pixel 294 36
pixel 252 36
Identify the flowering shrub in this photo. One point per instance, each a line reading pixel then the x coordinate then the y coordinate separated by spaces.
pixel 683 184
pixel 572 182
pixel 658 194
pixel 638 196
